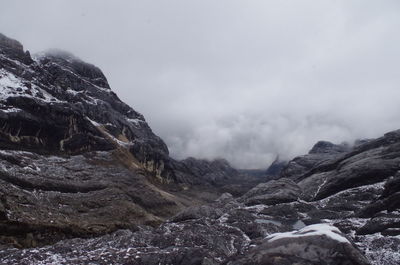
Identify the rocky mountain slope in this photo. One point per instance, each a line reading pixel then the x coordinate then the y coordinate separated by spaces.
pixel 77 161
pixel 83 180
pixel 343 210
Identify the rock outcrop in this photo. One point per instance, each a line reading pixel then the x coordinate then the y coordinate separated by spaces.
pixel 273 192
pixel 276 167
pixel 321 152
pixel 61 105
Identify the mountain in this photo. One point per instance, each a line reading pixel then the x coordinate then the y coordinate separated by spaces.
pixel 84 180
pixel 320 152
pixel 275 169
pixel 77 161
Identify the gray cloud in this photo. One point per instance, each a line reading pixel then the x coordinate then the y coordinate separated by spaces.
pixel 245 80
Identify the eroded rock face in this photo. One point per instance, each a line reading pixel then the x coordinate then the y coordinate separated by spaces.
pixel 59 104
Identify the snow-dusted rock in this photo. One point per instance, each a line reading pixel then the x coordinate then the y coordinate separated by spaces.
pixel 314 244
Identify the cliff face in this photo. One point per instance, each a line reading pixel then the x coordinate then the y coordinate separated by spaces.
pixel 58 104
pixel 75 159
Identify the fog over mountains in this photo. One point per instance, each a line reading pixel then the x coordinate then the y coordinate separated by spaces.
pixel 235 79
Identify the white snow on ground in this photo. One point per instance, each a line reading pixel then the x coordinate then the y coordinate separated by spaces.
pixel 320 186
pixel 134 121
pixel 73 92
pixel 15 152
pixel 17 63
pixel 11 110
pixel 312 230
pixel 11 86
pixel 256 208
pixel 223 222
pixel 381 250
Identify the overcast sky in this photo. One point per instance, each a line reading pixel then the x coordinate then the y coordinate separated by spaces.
pixel 240 79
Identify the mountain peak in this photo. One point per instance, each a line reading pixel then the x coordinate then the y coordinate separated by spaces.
pixel 14 50
pixel 66 60
pixel 322 147
pixel 57 53
pixel 61 104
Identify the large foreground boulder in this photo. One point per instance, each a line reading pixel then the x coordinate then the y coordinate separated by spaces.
pixel 314 244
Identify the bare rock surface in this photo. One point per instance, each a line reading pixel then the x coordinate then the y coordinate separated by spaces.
pixel 273 192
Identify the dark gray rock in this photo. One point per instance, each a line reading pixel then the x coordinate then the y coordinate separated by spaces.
pixel 14 50
pixel 275 169
pixel 289 211
pixel 197 212
pixel 324 147
pixel 217 172
pixel 321 152
pixel 379 224
pixel 273 192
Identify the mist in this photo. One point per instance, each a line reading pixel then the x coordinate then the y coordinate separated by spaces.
pixel 242 80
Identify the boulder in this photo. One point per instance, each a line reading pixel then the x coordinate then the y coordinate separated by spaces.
pixel 314 244
pixel 272 192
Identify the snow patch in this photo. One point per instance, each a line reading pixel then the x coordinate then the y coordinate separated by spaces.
pixel 134 121
pixel 73 92
pixel 9 110
pixel 13 86
pixel 312 230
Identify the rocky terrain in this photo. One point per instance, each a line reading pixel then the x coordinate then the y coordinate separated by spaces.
pixel 84 180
